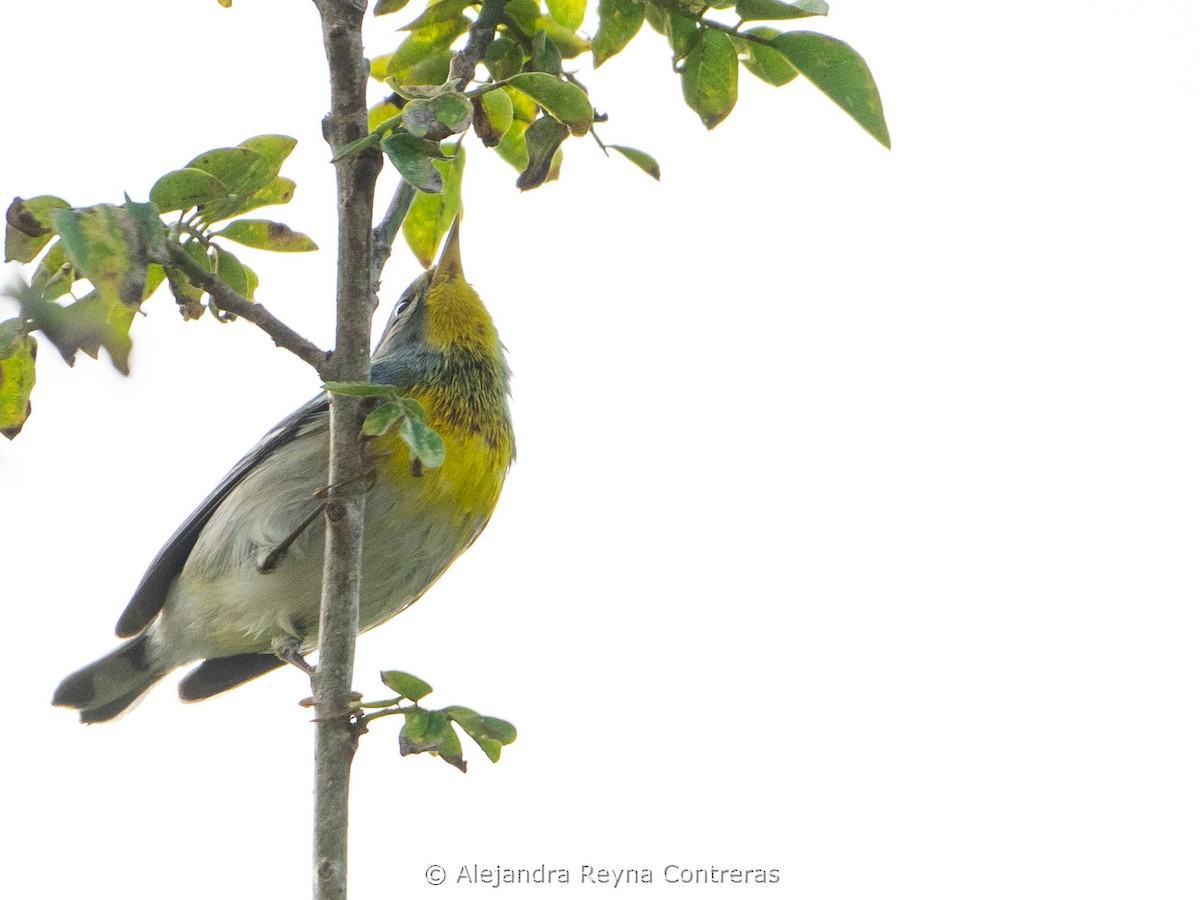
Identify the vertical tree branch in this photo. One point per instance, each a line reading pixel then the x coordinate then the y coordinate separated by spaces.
pixel 341 22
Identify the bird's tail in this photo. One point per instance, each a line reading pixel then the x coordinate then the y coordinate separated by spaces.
pixel 109 686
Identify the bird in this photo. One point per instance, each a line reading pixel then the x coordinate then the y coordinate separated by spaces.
pixel 237 587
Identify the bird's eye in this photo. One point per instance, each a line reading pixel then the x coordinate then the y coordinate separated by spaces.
pixel 405 303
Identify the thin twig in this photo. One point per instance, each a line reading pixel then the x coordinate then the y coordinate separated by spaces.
pixel 384 235
pixel 479 38
pixel 228 300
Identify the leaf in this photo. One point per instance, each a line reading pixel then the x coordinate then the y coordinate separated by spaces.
pixel 547 58
pixel 383 7
pixel 28 227
pixel 410 687
pixel 525 13
pixel 682 32
pixel 186 294
pixel 493 116
pixel 426 444
pixel 643 161
pixel 841 74
pixel 567 13
pixel 18 351
pixel 488 732
pixel 429 731
pixel 503 58
pixel 235 167
pixel 429 216
pixel 231 271
pixel 620 20
pixel 381 419
pixel 107 247
pixel 422 45
pixel 264 234
pixel 88 324
pixel 278 190
pixel 381 112
pixel 185 188
pixel 542 140
pixel 751 10
pixel 438 11
pixel 272 150
pixel 413 158
pixel 569 44
pixel 454 111
pixel 54 275
pixel 360 389
pixel 709 77
pixel 564 101
pixel 763 62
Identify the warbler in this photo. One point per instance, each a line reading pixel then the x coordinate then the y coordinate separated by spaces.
pixel 208 594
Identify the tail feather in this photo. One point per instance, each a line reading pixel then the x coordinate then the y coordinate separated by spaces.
pixel 109 686
pixel 216 675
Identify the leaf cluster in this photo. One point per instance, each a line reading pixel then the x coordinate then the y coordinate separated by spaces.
pixel 433 731
pixel 529 102
pixel 122 253
pixel 397 415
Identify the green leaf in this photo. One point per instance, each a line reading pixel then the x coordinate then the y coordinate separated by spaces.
pixel 232 166
pixel 493 116
pixel 643 161
pixel 841 74
pixel 620 20
pixel 542 140
pixel 361 389
pixel 145 218
pixel 750 10
pixel 413 158
pixel 709 77
pixel 28 227
pixel 429 216
pixel 186 294
pixel 682 32
pixel 272 150
pixel 185 188
pixel 425 443
pixel 107 247
pixel 230 270
pixel 421 46
pixel 18 351
pixel 564 101
pixel 503 58
pixel 454 111
pixel 486 731
pixel 525 13
pixel 567 13
pixel 383 7
pixel 381 419
pixel 438 11
pixel 547 58
pixel 264 234
pixel 413 408
pixel 381 112
pixel 429 731
pixel 410 687
pixel 278 190
pixel 92 323
pixel 54 275
pixel 765 62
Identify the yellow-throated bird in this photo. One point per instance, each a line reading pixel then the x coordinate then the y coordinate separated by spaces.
pixel 206 596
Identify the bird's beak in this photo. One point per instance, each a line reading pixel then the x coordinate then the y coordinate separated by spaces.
pixel 449 267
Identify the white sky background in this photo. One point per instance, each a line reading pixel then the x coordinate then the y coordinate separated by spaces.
pixel 854 526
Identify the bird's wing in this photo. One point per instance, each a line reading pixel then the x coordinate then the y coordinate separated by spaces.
pixel 150 595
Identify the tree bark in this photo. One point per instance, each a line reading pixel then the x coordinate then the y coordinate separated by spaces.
pixel 341 22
